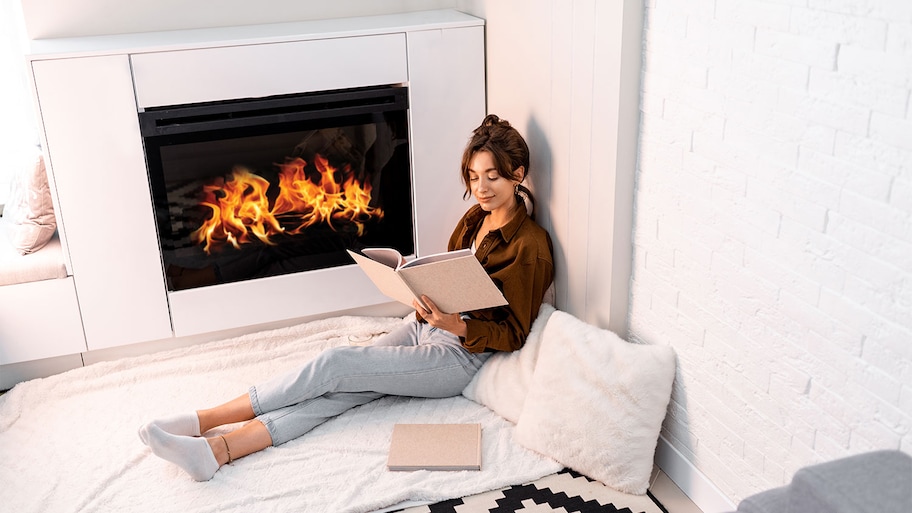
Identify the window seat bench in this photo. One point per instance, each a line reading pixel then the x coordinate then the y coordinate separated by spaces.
pixel 39 311
pixel 47 263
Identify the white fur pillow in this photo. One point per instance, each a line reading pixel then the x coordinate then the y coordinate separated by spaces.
pixel 503 381
pixel 596 402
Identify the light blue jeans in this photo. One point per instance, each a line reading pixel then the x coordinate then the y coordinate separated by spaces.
pixel 415 360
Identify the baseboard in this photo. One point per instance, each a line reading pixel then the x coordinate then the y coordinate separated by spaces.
pixel 391 309
pixel 13 373
pixel 701 491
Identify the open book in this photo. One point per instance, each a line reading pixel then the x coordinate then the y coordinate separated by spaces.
pixel 455 280
pixel 435 447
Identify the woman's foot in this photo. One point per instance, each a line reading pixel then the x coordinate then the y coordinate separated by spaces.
pixel 183 424
pixel 192 454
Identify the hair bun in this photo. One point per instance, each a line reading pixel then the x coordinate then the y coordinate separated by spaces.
pixel 494 120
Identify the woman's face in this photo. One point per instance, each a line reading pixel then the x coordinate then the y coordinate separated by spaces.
pixel 491 190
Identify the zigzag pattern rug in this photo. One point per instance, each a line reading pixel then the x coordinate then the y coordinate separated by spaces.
pixel 565 492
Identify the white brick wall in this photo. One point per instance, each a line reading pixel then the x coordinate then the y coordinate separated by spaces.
pixel 773 231
pixel 18 132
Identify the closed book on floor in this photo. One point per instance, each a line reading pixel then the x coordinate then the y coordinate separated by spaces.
pixel 435 447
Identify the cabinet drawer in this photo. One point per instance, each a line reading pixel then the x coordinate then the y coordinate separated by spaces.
pixel 39 320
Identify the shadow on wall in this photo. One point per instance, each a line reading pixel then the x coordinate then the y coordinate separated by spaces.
pixel 542 185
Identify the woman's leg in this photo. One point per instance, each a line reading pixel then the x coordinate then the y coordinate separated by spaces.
pixel 202 457
pixel 291 422
pixel 195 423
pixel 415 360
pixel 238 409
pixel 341 378
pixel 248 439
pixel 404 362
pixel 177 438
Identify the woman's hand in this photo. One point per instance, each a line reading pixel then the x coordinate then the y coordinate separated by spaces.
pixel 444 321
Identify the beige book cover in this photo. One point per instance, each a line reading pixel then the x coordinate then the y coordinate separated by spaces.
pixel 435 447
pixel 454 280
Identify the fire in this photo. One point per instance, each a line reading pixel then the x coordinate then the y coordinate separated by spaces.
pixel 241 211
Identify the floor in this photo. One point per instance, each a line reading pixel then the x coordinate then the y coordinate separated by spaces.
pixel 669 495
pixel 566 492
pixel 661 488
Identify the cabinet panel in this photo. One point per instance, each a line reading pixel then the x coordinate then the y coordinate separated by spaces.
pixel 211 74
pixel 39 320
pixel 278 298
pixel 95 153
pixel 447 102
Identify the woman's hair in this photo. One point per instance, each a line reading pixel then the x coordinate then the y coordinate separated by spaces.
pixel 508 149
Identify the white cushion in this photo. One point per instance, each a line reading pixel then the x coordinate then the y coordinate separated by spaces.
pixel 503 381
pixel 46 264
pixel 596 403
pixel 30 209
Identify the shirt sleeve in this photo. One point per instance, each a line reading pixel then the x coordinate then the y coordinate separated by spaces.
pixel 523 269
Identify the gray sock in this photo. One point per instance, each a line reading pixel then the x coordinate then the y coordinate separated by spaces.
pixel 184 424
pixel 192 454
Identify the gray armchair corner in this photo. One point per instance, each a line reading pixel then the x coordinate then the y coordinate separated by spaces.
pixel 873 482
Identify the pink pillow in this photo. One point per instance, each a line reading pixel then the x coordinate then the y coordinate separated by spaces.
pixel 30 210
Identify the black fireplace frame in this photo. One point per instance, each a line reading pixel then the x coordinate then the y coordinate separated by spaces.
pixel 178 124
pixel 180 119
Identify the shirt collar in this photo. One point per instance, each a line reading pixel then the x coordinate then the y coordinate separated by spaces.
pixel 507 231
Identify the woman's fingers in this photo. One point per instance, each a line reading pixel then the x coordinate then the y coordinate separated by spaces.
pixel 432 307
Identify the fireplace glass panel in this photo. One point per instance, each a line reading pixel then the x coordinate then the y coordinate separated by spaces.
pixel 246 190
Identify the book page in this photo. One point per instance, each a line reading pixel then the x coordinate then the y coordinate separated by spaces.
pixel 387 256
pixel 385 278
pixel 438 257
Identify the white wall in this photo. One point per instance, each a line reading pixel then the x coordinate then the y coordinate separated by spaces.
pixel 773 239
pixel 18 126
pixel 553 71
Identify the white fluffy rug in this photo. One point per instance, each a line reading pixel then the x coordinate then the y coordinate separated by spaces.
pixel 69 442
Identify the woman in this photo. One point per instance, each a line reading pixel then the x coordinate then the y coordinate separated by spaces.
pixel 434 356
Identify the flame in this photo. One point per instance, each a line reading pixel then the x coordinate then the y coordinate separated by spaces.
pixel 241 210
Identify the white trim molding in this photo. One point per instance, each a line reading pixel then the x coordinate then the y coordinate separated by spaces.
pixel 704 494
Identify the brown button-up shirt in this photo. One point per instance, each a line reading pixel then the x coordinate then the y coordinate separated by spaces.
pixel 518 257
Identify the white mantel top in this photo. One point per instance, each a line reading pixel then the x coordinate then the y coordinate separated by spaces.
pixel 41 49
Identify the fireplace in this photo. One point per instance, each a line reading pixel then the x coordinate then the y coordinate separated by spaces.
pixel 91 93
pixel 253 188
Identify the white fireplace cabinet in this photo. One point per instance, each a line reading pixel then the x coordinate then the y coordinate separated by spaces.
pixel 89 91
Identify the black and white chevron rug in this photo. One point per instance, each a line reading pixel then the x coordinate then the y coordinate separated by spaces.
pixel 565 492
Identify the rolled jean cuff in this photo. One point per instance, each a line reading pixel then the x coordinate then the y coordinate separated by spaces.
pixel 267 422
pixel 254 401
